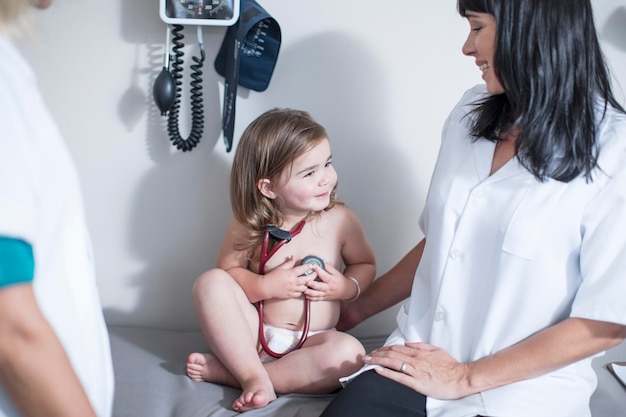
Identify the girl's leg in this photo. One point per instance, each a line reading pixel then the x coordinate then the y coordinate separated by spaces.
pixel 317 366
pixel 372 395
pixel 229 324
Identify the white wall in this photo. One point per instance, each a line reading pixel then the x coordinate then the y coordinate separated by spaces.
pixel 381 76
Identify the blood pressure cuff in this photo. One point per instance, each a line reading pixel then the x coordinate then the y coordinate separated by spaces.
pixel 247 57
pixel 17 263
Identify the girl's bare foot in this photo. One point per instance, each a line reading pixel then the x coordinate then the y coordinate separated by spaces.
pixel 256 393
pixel 206 367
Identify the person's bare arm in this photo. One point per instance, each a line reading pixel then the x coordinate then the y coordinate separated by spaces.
pixel 386 291
pixel 357 255
pixel 34 368
pixel 236 262
pixel 284 281
pixel 432 372
pixel 555 347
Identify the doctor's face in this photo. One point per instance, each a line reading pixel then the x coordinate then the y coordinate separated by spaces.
pixel 481 44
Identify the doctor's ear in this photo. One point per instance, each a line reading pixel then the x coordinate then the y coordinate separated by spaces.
pixel 266 188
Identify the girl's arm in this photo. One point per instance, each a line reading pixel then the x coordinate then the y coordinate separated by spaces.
pixel 236 263
pixel 286 280
pixel 357 255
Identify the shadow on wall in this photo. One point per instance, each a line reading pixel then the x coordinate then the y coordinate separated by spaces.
pixel 614 30
pixel 178 218
pixel 181 206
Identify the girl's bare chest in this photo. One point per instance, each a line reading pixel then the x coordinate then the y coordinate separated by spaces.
pixel 323 243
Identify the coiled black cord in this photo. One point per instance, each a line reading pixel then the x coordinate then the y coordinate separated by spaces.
pixel 197 108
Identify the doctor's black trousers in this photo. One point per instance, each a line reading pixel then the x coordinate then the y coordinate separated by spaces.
pixel 372 395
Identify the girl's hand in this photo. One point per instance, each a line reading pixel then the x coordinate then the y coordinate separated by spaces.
pixel 288 280
pixel 330 284
pixel 428 369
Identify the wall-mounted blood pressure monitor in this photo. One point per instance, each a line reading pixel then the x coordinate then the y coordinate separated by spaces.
pixel 200 12
pixel 179 14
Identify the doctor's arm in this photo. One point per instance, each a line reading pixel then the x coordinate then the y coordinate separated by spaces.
pixel 34 368
pixel 386 291
pixel 432 372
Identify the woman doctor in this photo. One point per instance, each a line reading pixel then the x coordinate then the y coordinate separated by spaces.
pixel 520 279
pixel 55 356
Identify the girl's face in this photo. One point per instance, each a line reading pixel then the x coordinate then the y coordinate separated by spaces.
pixel 481 44
pixel 306 186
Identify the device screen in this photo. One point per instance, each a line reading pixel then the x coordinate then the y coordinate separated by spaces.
pixel 199 9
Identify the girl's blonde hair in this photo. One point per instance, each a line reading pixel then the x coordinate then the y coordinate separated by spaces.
pixel 268 146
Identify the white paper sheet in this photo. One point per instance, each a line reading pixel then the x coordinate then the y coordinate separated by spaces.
pixel 346 379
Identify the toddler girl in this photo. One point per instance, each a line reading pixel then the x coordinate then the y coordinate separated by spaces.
pixel 263 313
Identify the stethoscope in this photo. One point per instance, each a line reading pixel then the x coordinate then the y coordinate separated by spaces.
pixel 281 237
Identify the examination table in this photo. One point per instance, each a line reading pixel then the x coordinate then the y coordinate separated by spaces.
pixel 150 381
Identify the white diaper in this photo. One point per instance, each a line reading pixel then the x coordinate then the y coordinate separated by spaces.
pixel 281 340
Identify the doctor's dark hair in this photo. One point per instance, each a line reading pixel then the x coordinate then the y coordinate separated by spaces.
pixel 268 147
pixel 556 81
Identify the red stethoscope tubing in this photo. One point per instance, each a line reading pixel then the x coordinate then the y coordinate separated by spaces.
pixel 265 255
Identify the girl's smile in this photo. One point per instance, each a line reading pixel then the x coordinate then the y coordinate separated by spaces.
pixel 307 185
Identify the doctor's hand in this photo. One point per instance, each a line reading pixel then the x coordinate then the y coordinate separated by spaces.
pixel 287 280
pixel 330 284
pixel 425 368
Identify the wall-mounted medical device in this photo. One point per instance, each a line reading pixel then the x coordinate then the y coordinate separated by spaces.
pixel 247 57
pixel 168 85
pixel 200 12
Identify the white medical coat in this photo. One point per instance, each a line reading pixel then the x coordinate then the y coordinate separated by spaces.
pixel 41 203
pixel 507 256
